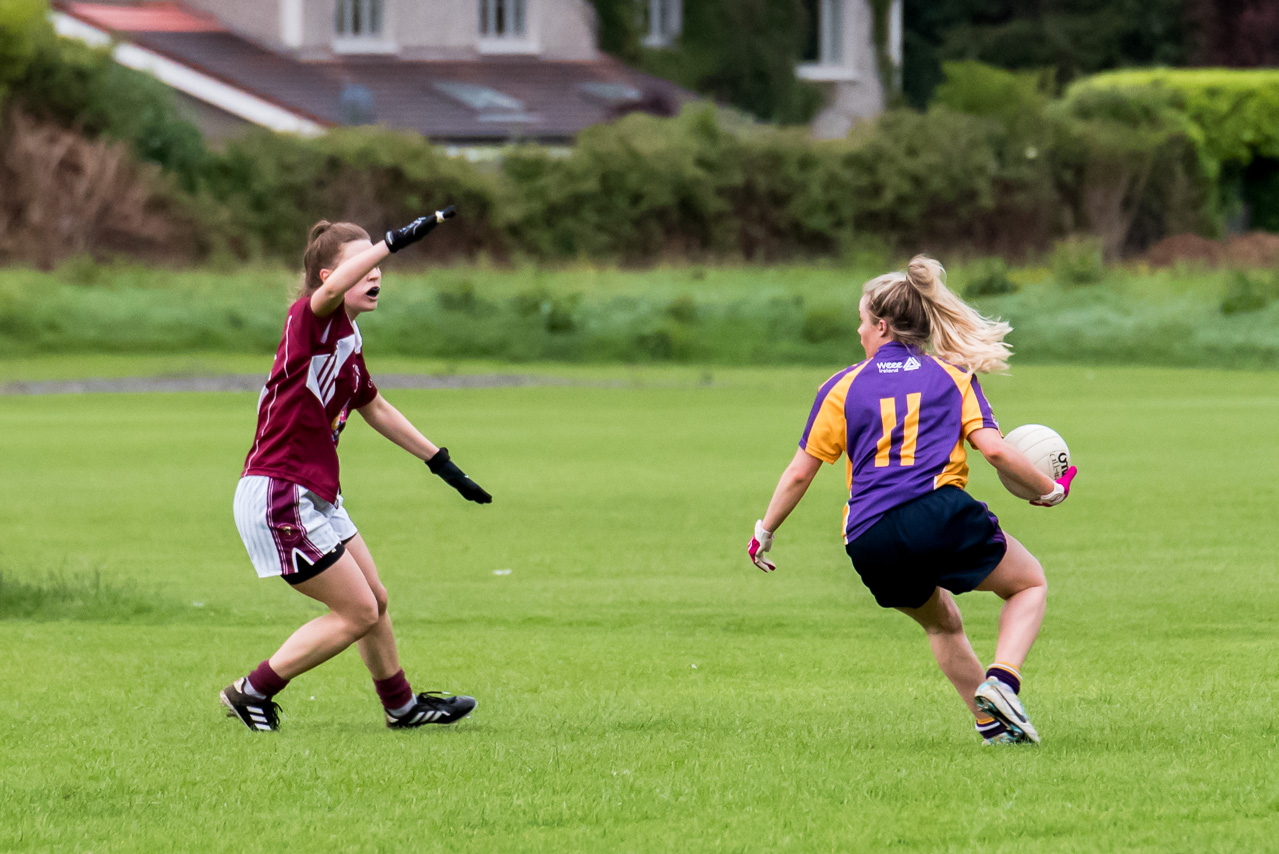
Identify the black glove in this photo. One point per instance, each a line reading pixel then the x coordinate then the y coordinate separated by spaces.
pixel 398 238
pixel 452 475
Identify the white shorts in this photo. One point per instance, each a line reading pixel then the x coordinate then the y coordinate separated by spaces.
pixel 280 522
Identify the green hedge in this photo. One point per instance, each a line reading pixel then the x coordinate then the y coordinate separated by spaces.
pixel 267 189
pixel 701 185
pixel 1235 112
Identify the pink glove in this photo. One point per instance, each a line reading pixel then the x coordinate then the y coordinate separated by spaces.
pixel 761 543
pixel 1060 491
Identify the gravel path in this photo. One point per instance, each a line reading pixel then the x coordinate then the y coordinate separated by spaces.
pixel 253 382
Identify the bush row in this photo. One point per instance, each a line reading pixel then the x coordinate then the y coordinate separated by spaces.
pixel 995 165
pixel 701 185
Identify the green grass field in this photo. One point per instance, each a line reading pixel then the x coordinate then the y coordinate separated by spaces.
pixel 641 686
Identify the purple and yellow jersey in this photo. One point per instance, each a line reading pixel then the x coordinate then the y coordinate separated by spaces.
pixel 902 418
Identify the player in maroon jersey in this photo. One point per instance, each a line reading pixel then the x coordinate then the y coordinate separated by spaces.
pixel 914 535
pixel 288 505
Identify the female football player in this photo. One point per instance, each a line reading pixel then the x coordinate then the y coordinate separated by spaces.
pixel 914 535
pixel 288 506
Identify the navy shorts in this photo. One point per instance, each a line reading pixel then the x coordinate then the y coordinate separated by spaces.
pixel 943 539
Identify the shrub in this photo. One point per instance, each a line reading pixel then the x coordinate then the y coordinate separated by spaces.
pixel 987 278
pixel 1014 99
pixel 77 86
pixel 682 310
pixel 62 195
pixel 943 178
pixel 825 323
pixel 23 28
pixel 1119 148
pixel 461 297
pixel 1235 113
pixel 277 186
pixel 1078 261
pixel 1246 293
pixel 697 185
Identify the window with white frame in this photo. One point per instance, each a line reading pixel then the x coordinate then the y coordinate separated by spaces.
pixel 825 44
pixel 503 19
pixel 358 19
pixel 665 22
pixel 830 32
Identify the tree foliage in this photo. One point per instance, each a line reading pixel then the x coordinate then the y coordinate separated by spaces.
pixel 742 53
pixel 23 28
pixel 1072 37
pixel 1236 33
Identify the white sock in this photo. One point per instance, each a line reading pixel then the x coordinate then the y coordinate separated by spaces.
pixel 251 691
pixel 403 710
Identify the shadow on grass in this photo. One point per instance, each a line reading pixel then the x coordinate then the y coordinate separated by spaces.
pixel 77 596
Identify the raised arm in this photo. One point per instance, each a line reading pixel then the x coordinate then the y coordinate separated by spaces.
pixel 328 297
pixel 391 423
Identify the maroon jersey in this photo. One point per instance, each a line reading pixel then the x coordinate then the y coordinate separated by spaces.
pixel 318 376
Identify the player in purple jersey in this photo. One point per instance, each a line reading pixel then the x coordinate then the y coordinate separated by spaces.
pixel 288 505
pixel 914 535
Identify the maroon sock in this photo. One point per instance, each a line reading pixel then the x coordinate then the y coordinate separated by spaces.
pixel 393 691
pixel 266 681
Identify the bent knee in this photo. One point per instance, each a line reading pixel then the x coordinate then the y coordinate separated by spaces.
pixel 947 621
pixel 360 619
pixel 1035 577
pixel 380 595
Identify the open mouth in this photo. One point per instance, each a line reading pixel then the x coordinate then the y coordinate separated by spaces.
pixel 373 291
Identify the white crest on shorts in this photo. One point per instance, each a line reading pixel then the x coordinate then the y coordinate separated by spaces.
pixel 323 378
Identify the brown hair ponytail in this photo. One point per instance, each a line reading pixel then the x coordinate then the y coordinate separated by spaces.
pixel 922 312
pixel 323 247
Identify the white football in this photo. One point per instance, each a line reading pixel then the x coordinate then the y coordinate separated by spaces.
pixel 1045 449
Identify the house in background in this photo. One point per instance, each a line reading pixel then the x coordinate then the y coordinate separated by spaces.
pixel 843 55
pixel 461 72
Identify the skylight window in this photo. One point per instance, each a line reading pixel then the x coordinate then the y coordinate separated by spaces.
pixel 492 105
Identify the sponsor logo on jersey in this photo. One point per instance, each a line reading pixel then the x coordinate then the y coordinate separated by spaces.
pixel 911 364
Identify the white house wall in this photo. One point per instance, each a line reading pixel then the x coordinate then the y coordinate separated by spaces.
pixel 437 29
pixel 567 29
pixel 857 92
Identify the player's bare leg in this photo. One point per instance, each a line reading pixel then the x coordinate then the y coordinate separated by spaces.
pixel 944 626
pixel 404 709
pixel 1018 580
pixel 377 648
pixel 353 613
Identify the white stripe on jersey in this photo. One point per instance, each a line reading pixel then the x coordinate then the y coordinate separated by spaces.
pixel 322 380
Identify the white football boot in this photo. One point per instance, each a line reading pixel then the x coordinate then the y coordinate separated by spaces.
pixel 998 700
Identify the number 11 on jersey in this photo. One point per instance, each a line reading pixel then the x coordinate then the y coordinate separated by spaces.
pixel 910 430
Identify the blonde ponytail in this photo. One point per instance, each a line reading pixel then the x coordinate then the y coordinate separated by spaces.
pixel 921 311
